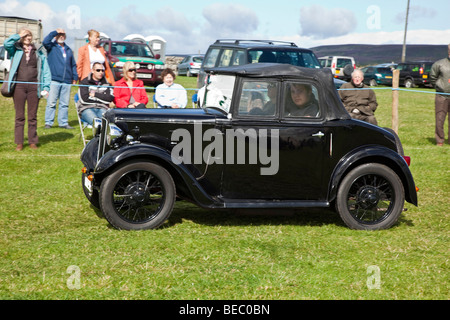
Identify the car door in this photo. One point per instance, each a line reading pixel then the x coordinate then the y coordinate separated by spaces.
pixel 283 151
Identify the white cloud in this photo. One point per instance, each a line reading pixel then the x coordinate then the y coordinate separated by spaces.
pixel 224 19
pixel 319 22
pixel 396 37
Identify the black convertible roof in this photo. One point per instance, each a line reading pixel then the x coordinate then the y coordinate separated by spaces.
pixel 324 77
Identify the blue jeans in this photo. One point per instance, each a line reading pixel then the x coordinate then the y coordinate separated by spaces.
pixel 62 91
pixel 88 115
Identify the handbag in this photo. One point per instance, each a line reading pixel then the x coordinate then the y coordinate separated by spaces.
pixel 5 91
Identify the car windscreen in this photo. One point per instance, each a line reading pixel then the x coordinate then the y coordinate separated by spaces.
pixel 299 58
pixel 384 70
pixel 131 49
pixel 217 93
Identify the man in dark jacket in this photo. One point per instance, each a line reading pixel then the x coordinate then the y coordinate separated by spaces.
pixel 358 99
pixel 64 73
pixel 440 78
pixel 95 94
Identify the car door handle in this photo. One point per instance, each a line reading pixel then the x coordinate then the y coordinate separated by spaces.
pixel 319 134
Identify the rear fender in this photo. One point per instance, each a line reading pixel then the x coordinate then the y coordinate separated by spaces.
pixel 374 154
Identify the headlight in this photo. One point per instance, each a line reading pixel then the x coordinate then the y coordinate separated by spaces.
pixel 119 64
pixel 113 133
pixel 137 65
pixel 379 75
pixel 150 66
pixel 96 127
pixel 159 66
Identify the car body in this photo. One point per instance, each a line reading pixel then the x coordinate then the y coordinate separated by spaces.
pixel 241 149
pixel 148 65
pixel 190 65
pixel 414 74
pixel 232 52
pixel 338 64
pixel 5 62
pixel 375 75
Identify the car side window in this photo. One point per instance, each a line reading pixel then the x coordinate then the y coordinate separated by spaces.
pixel 211 58
pixel 238 58
pixel 225 58
pixel 301 100
pixel 258 98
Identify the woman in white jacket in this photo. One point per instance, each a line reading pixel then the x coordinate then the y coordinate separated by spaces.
pixel 169 94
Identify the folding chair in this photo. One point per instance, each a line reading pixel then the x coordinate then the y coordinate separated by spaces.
pixel 83 124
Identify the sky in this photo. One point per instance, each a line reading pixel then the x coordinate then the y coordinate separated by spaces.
pixel 190 26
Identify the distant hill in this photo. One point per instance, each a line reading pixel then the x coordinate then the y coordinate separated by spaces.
pixel 374 54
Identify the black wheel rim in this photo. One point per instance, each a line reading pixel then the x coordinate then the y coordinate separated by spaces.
pixel 370 199
pixel 138 196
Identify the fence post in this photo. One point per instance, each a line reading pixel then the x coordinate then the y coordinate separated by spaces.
pixel 395 82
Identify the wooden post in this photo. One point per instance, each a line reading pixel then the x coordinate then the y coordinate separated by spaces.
pixel 395 82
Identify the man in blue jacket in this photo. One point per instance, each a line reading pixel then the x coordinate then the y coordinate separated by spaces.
pixel 64 73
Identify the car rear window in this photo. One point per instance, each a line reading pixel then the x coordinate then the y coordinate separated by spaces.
pixel 341 63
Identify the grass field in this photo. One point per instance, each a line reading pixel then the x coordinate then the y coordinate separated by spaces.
pixel 54 245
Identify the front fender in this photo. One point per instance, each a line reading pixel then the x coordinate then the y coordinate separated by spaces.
pixel 180 172
pixel 374 154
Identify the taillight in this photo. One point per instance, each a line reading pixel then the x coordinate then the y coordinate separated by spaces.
pixel 421 70
pixel 334 65
pixel 354 66
pixel 191 63
pixel 408 160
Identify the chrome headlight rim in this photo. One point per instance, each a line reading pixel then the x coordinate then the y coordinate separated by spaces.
pixel 96 126
pixel 113 134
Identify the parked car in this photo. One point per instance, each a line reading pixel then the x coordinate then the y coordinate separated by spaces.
pixel 375 75
pixel 340 66
pixel 233 52
pixel 246 148
pixel 415 74
pixel 148 66
pixel 190 65
pixel 5 62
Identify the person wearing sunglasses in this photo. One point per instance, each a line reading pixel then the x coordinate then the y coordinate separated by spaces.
pixel 129 92
pixel 95 94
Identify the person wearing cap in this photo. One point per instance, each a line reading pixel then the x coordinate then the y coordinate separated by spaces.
pixel 64 73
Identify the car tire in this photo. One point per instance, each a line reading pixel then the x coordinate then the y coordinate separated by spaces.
pixel 370 197
pixel 188 73
pixel 138 196
pixel 409 83
pixel 373 83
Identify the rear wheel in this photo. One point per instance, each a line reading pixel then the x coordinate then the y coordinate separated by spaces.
pixel 370 197
pixel 409 83
pixel 137 196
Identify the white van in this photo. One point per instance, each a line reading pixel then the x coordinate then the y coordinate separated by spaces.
pixel 5 62
pixel 337 65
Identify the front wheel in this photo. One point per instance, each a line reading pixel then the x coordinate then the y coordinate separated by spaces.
pixel 370 197
pixel 138 196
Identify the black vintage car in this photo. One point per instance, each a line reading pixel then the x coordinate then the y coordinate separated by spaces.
pixel 265 136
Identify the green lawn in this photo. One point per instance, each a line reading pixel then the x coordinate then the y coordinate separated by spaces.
pixel 54 245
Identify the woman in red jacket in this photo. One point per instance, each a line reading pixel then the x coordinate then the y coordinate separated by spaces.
pixel 129 92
